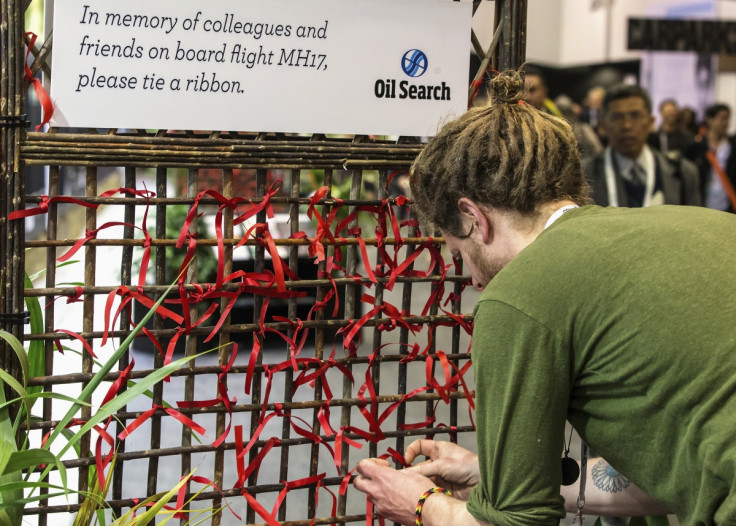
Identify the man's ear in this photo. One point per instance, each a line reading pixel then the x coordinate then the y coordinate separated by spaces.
pixel 476 217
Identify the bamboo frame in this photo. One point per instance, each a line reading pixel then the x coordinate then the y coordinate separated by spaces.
pixel 109 150
pixel 12 182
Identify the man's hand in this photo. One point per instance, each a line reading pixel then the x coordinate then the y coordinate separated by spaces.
pixel 449 465
pixel 394 492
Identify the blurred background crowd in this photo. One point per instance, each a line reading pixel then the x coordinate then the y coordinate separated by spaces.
pixel 653 125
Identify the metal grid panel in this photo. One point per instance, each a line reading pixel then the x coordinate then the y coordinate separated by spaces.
pixel 289 417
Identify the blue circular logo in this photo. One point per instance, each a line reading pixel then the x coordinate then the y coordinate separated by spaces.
pixel 414 63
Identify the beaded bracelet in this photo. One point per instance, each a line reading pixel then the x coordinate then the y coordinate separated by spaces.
pixel 420 503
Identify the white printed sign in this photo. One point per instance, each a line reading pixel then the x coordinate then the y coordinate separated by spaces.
pixel 388 67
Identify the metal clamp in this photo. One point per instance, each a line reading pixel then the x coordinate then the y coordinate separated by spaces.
pixel 20 318
pixel 14 121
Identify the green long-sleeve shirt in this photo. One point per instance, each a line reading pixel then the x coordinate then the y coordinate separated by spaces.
pixel 622 321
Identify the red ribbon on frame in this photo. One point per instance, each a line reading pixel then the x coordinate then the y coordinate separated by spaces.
pixel 43 206
pixel 43 97
pixel 311 370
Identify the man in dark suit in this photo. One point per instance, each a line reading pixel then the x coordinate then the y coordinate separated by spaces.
pixel 630 173
pixel 671 139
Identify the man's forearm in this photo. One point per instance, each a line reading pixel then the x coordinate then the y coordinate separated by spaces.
pixel 441 510
pixel 607 492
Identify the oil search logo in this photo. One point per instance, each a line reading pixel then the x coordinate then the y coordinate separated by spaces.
pixel 414 63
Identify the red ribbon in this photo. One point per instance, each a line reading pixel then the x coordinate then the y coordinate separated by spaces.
pixel 76 336
pixel 43 97
pixel 308 371
pixel 188 422
pixel 43 206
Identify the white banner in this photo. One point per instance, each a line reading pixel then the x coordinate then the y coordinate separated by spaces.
pixel 386 67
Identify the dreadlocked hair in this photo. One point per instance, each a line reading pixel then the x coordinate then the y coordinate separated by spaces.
pixel 506 155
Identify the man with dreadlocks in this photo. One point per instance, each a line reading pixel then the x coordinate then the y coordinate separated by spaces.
pixel 605 317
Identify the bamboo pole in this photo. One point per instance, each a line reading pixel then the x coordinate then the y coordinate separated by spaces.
pixel 511 15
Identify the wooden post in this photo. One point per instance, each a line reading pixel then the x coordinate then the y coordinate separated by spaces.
pixel 12 182
pixel 511 51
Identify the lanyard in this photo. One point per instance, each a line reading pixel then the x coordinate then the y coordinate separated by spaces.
pixel 581 493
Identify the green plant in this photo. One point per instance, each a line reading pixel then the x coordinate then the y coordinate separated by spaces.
pixel 155 506
pixel 19 461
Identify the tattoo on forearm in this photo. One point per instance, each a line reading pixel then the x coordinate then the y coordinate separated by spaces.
pixel 608 479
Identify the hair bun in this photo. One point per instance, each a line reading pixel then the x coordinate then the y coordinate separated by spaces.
pixel 507 87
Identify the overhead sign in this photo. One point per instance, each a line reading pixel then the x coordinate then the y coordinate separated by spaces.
pixel 666 34
pixel 388 67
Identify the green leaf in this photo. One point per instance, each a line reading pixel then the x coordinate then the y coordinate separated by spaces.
pixel 36 318
pixel 8 429
pixel 23 501
pixel 102 373
pixel 206 518
pixel 36 348
pixel 7 447
pixel 95 499
pixel 52 395
pixel 151 513
pixel 141 386
pixel 9 380
pixel 30 458
pixel 148 393
pixel 41 272
pixel 20 460
pixel 125 398
pixel 14 385
pixel 159 501
pixel 25 484
pixel 12 510
pixel 19 351
pixel 194 513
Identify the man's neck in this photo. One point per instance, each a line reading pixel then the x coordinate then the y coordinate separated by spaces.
pixel 629 157
pixel 519 231
pixel 547 210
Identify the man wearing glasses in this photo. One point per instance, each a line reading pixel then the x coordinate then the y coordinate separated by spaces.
pixel 629 172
